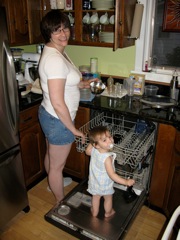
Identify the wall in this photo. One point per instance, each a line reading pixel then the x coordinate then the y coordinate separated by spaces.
pixel 115 63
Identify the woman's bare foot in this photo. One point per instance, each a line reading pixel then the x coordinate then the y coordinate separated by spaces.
pixel 107 215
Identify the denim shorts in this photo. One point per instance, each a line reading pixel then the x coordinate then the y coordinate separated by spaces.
pixel 54 130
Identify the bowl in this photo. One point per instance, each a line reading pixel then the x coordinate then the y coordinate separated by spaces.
pixel 151 90
pixel 97 87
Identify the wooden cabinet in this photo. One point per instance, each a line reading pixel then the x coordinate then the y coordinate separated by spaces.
pixel 77 163
pixel 36 10
pixel 32 143
pixel 23 20
pixel 172 196
pixel 24 16
pixel 123 11
pixel 17 21
pixel 165 181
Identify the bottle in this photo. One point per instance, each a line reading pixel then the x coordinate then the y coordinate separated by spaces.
pixel 94 65
pixel 138 86
pixel 174 86
pixel 68 5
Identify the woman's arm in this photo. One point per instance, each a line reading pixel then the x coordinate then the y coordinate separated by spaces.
pixel 114 176
pixel 86 83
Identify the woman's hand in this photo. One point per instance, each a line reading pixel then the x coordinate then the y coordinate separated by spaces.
pixel 86 83
pixel 80 134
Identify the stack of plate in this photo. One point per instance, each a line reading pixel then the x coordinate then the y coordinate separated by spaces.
pixel 102 4
pixel 106 37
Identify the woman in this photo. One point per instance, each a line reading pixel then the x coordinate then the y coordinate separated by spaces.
pixel 60 82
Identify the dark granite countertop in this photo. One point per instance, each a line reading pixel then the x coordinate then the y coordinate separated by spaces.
pixel 130 106
pixel 29 100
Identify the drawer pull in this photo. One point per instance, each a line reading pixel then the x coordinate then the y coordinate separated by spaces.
pixel 27 119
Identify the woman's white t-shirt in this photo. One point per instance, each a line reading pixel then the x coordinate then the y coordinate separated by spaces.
pixel 53 65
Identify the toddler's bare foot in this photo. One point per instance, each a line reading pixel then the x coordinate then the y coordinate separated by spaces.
pixel 107 215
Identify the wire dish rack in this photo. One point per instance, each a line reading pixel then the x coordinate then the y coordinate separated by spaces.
pixel 132 139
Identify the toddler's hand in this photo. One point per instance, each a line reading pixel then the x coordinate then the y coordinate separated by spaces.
pixel 130 182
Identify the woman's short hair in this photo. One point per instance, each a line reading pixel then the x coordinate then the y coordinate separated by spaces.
pixel 52 21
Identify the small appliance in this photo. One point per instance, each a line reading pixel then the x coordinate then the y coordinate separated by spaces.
pixel 31 66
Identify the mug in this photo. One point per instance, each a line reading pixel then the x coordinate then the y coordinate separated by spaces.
pixel 71 19
pixel 94 18
pixel 86 19
pixel 104 19
pixel 112 19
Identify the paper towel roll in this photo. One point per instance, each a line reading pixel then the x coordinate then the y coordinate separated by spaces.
pixel 136 26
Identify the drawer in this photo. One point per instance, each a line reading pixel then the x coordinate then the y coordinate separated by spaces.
pixel 28 117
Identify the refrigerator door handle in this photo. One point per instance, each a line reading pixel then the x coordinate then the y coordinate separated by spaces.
pixel 9 157
pixel 13 111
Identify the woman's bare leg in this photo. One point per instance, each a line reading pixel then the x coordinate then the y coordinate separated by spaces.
pixel 95 205
pixel 108 205
pixel 55 160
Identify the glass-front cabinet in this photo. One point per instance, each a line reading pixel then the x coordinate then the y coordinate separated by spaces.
pixel 101 24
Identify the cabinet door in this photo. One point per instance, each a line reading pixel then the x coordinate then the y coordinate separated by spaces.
pixel 162 163
pixel 123 24
pixel 34 17
pixel 77 163
pixel 36 10
pixel 33 151
pixel 96 35
pixel 172 197
pixel 16 12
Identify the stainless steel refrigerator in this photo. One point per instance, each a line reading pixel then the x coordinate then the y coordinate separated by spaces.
pixel 13 194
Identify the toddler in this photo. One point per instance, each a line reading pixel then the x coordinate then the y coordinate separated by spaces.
pixel 102 173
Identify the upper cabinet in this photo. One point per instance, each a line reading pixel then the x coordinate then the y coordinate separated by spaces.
pixel 114 33
pixel 23 18
pixel 16 13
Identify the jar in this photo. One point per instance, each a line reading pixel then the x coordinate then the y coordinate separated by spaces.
pixel 94 65
pixel 60 4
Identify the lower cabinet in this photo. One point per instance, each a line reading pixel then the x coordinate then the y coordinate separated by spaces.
pixel 33 146
pixel 77 163
pixel 165 180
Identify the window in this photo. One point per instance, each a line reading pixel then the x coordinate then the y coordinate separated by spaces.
pixel 147 51
pixel 166 44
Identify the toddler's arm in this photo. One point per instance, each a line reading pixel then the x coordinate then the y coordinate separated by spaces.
pixel 114 176
pixel 89 149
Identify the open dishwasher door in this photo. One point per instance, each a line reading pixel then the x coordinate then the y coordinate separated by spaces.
pixel 73 215
pixel 133 146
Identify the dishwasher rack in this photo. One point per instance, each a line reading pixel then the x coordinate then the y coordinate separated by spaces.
pixel 133 139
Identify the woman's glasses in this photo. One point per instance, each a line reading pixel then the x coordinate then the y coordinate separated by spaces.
pixel 60 31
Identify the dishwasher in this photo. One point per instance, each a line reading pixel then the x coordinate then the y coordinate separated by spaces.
pixel 134 144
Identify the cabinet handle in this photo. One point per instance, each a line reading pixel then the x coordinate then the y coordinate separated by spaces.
pixel 27 119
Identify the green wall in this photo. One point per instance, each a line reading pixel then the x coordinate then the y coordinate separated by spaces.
pixel 115 63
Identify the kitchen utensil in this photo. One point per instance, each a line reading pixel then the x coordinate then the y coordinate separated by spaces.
pixel 94 18
pixel 97 87
pixel 151 90
pixel 112 19
pixel 159 101
pixel 104 19
pixel 86 19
